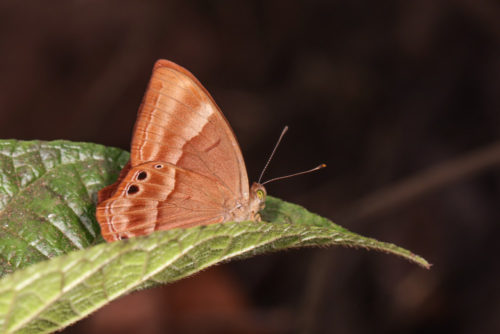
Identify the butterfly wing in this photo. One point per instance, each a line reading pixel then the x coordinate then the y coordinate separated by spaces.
pixel 180 126
pixel 180 123
pixel 159 196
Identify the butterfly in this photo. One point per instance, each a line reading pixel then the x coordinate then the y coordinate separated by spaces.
pixel 185 168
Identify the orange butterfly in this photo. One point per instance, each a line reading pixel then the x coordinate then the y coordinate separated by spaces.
pixel 185 168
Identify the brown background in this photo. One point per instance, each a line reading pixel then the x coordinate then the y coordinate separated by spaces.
pixel 380 91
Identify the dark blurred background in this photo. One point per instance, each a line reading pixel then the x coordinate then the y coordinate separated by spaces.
pixel 399 98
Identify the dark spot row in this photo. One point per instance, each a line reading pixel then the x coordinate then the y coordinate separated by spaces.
pixel 141 176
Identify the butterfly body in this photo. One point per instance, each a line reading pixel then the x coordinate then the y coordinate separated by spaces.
pixel 186 167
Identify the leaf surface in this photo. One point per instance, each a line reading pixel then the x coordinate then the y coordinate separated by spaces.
pixel 51 188
pixel 47 198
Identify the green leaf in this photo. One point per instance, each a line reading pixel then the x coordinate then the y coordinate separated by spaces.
pixel 47 198
pixel 52 294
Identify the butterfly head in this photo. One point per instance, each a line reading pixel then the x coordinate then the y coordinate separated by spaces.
pixel 257 199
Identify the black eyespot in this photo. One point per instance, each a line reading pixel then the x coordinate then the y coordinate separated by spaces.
pixel 142 175
pixel 158 166
pixel 132 189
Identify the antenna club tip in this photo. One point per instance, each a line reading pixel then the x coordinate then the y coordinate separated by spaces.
pixel 322 165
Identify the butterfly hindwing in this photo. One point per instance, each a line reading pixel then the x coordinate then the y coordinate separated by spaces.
pixel 159 196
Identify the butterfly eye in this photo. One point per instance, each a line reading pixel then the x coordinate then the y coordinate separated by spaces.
pixel 142 175
pixel 132 189
pixel 260 194
pixel 158 166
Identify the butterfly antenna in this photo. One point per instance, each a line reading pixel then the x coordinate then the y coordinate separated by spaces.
pixel 285 129
pixel 295 174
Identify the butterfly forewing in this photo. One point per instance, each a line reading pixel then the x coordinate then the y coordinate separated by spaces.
pixel 180 123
